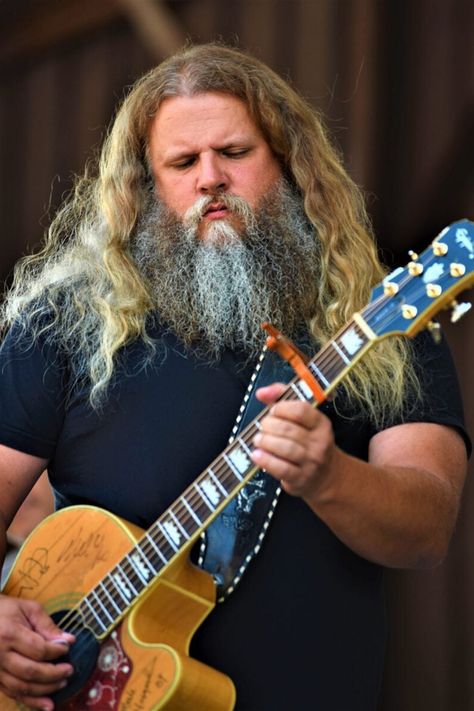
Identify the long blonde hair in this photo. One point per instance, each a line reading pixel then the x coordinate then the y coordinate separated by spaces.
pixel 86 280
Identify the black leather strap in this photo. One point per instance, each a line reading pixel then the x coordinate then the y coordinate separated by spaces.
pixel 235 536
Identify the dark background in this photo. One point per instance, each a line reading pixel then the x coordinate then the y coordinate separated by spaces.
pixel 395 79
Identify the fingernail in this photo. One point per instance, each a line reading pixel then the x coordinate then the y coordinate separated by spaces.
pixel 257 439
pixel 61 640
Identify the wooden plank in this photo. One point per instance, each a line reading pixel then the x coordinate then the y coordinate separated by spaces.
pixel 49 23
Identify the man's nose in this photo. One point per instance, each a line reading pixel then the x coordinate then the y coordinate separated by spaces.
pixel 212 176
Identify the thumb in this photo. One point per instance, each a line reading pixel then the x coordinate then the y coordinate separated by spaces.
pixel 45 626
pixel 270 393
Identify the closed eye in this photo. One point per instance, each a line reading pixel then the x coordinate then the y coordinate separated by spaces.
pixel 235 153
pixel 184 163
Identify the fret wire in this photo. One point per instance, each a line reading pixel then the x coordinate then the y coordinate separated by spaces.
pixel 191 511
pixel 120 573
pixel 97 597
pixel 87 614
pixel 206 493
pixel 94 615
pixel 189 522
pixel 122 595
pixel 218 482
pixel 164 543
pixel 244 445
pixel 201 508
pixel 104 583
pixel 320 376
pixel 112 600
pixel 140 552
pixel 171 543
pixel 203 497
pixel 298 392
pixel 149 538
pixel 233 467
pixel 325 358
pixel 198 492
pixel 131 574
pixel 224 472
pixel 136 568
pixel 178 523
pixel 340 352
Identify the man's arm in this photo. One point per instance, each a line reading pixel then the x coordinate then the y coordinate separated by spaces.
pixel 398 510
pixel 29 640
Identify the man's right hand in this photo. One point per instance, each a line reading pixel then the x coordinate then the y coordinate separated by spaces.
pixel 29 644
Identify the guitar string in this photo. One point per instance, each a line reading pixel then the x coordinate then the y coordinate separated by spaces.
pixel 179 510
pixel 125 565
pixel 128 568
pixel 323 360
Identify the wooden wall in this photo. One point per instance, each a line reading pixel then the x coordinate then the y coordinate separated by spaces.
pixel 396 81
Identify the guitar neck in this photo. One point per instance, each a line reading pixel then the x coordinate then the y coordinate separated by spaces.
pixel 182 523
pixel 402 304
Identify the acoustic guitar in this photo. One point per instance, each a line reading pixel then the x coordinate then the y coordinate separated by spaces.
pixel 131 597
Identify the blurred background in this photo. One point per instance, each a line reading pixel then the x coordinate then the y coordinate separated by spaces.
pixel 395 79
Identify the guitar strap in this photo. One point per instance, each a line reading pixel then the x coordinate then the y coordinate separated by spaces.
pixel 234 538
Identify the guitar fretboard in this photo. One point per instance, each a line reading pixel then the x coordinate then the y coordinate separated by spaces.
pixel 181 524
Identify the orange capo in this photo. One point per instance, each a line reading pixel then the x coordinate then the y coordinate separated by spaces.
pixel 287 350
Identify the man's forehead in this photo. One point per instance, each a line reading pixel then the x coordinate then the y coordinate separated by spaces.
pixel 185 120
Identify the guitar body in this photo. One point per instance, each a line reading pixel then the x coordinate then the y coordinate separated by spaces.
pixel 143 665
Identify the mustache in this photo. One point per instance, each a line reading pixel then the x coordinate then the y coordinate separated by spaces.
pixel 236 205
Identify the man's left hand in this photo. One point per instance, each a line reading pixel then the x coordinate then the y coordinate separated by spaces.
pixel 295 443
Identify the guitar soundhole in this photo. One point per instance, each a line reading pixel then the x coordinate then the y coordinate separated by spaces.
pixel 82 655
pixel 101 670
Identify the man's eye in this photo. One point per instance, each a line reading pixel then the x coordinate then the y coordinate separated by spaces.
pixel 184 163
pixel 236 153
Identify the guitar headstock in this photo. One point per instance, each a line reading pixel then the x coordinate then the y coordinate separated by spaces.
pixel 406 300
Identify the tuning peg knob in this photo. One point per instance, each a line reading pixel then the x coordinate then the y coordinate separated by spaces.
pixel 459 310
pixel 409 311
pixel 415 268
pixel 440 249
pixel 435 331
pixel 433 290
pixel 457 270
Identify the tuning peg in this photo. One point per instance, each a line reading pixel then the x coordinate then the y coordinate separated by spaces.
pixel 415 268
pixel 413 255
pixel 440 249
pixel 457 270
pixel 459 310
pixel 409 311
pixel 435 331
pixel 433 290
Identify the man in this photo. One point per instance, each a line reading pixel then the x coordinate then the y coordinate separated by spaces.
pixel 219 204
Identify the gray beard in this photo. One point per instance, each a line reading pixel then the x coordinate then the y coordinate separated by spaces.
pixel 214 293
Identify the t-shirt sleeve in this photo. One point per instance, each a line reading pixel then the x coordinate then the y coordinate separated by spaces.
pixel 31 394
pixel 441 400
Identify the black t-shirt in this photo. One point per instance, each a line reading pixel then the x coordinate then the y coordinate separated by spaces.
pixel 305 627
